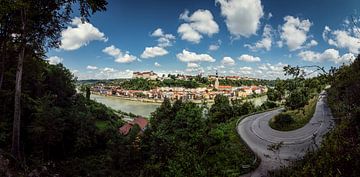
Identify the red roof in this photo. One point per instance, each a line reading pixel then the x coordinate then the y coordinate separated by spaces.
pixel 142 122
pixel 225 86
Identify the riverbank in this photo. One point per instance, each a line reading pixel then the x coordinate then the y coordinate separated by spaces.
pixel 257 100
pixel 148 100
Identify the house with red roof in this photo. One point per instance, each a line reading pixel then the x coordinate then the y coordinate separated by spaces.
pixel 141 121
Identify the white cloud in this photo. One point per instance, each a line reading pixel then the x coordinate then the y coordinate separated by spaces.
pixel 81 34
pixel 294 32
pixel 112 51
pixel 187 56
pixel 192 65
pixel 199 23
pixel 54 60
pixel 164 40
pixel 271 71
pixel 151 52
pixel 349 39
pixel 108 70
pixel 157 64
pixel 157 33
pixel 104 73
pixel 214 47
pixel 265 43
pixel 127 58
pixel 228 61
pixel 249 58
pixel 327 55
pixel 119 56
pixel 242 16
pixel 91 67
pixel 189 34
pixel 312 43
pixel 246 70
pixel 325 33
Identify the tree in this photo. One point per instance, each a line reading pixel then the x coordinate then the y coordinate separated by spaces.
pixel 38 25
pixel 221 110
pixel 298 98
pixel 88 93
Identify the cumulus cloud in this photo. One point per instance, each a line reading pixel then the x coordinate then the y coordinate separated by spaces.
pixel 242 17
pixel 157 64
pixel 327 55
pixel 187 56
pixel 151 52
pixel 311 44
pixel 246 70
pixel 271 71
pixel 118 55
pixel 215 46
pixel 104 73
pixel 192 65
pixel 294 32
pixel 80 34
pixel 199 23
pixel 164 40
pixel 54 60
pixel 347 39
pixel 228 61
pixel 265 43
pixel 249 58
pixel 91 67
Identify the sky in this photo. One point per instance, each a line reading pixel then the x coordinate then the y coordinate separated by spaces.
pixel 253 38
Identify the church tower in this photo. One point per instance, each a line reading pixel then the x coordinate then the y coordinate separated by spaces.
pixel 216 85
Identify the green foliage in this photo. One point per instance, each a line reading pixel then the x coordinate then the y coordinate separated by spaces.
pixel 297 98
pixel 184 143
pixel 300 117
pixel 238 83
pixel 268 105
pixel 221 110
pixel 281 120
pixel 340 151
pixel 138 84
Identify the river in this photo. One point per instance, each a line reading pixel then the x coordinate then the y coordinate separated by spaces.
pixel 136 107
pixel 142 108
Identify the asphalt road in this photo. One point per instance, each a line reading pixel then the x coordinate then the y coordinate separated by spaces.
pixel 260 137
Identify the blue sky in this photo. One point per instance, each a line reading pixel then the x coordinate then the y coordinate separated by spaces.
pixel 253 38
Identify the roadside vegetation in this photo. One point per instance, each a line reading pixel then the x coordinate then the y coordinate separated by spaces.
pixel 294 119
pixel 339 153
pixel 298 95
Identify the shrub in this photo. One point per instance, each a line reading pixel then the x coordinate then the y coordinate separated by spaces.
pixel 281 120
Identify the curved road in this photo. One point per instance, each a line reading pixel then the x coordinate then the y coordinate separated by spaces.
pixel 277 148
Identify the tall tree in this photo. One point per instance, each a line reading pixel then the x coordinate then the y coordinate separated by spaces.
pixel 37 26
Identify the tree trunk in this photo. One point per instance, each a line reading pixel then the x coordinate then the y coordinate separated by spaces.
pixel 15 148
pixel 3 57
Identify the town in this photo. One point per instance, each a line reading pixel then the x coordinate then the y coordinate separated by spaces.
pixel 197 94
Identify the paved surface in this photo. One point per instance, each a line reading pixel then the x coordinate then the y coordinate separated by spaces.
pixel 259 136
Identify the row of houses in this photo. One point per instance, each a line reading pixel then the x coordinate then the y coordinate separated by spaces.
pixel 175 93
pixel 153 76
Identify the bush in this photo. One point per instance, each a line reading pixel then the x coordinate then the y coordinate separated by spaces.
pixel 281 121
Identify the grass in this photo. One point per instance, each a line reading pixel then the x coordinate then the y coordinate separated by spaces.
pixel 102 124
pixel 300 117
